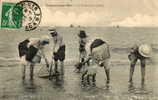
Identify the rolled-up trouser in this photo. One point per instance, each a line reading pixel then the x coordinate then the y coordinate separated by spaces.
pixel 60 54
pixel 134 57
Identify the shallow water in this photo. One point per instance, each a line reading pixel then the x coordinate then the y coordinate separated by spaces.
pixel 13 88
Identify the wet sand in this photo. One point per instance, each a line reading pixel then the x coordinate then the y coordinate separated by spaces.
pixel 13 88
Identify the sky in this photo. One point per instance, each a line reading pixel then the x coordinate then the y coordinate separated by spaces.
pixel 130 13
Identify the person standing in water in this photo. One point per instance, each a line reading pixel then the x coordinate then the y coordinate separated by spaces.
pixel 139 52
pixel 58 51
pixel 82 47
pixel 30 53
pixel 99 55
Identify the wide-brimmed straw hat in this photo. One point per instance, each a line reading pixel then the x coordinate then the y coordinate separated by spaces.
pixel 145 50
pixel 82 34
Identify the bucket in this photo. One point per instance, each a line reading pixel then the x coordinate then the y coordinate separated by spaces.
pixel 36 59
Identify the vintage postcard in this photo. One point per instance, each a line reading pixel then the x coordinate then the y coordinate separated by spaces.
pixel 78 50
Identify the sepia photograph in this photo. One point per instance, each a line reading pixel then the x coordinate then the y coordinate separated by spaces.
pixel 78 49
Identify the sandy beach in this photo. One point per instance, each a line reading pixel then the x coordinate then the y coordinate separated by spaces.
pixel 13 88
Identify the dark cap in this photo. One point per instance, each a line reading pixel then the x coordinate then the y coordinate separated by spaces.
pixel 82 34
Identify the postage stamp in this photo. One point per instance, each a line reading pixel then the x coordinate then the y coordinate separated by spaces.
pixel 7 16
pixel 25 14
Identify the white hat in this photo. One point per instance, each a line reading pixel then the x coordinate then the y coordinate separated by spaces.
pixel 145 50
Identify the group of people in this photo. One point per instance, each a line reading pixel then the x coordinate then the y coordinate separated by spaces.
pixel 97 55
pixel 31 51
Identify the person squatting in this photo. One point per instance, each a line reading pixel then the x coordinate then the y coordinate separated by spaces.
pixel 82 49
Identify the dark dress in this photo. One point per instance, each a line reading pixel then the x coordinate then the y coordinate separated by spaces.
pixel 82 46
pixel 22 47
pixel 24 50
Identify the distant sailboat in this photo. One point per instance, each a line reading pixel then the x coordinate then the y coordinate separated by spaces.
pixel 71 25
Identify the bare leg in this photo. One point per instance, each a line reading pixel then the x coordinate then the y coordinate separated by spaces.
pixel 132 67
pixel 83 75
pixel 31 71
pixel 94 76
pixel 143 70
pixel 94 79
pixel 56 66
pixel 88 79
pixel 50 72
pixel 62 67
pixel 107 72
pixel 23 71
pixel 108 76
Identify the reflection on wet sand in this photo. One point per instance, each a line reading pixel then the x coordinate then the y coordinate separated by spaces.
pixel 58 83
pixel 142 90
pixel 29 86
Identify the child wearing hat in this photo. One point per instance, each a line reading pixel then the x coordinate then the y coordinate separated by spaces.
pixel 30 53
pixel 139 52
pixel 58 51
pixel 90 71
pixel 82 47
